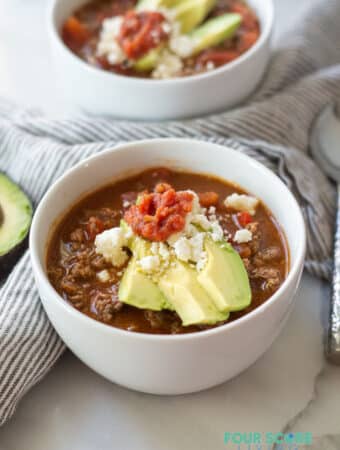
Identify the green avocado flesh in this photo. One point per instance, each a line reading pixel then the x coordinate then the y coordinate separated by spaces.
pixel 214 31
pixel 205 297
pixel 191 302
pixel 191 13
pixel 137 289
pixel 188 13
pixel 225 277
pixel 149 61
pixel 15 215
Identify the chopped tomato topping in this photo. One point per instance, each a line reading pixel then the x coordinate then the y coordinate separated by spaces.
pixel 217 56
pixel 141 32
pixel 75 33
pixel 160 214
pixel 249 19
pixel 94 226
pixel 208 199
pixel 244 218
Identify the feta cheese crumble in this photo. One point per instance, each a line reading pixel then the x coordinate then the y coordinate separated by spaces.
pixel 168 66
pixel 110 245
pixel 182 45
pixel 149 263
pixel 188 245
pixel 242 202
pixel 243 236
pixel 103 276
pixel 108 45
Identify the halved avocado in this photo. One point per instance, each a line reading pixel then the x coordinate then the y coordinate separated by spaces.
pixel 15 220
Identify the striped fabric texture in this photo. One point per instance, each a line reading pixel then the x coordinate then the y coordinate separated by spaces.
pixel 273 127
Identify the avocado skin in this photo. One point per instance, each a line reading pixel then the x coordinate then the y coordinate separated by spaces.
pixel 8 261
pixel 10 255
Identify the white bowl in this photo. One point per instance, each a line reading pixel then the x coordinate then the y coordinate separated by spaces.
pixel 101 92
pixel 167 364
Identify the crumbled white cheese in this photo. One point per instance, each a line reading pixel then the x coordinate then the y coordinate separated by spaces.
pixel 126 203
pixel 149 263
pixel 103 276
pixel 242 202
pixel 182 45
pixel 112 25
pixel 210 65
pixel 243 236
pixel 169 65
pixel 166 27
pixel 202 221
pixel 108 45
pixel 202 262
pixel 182 248
pixel 216 232
pixel 163 251
pixel 212 210
pixel 110 245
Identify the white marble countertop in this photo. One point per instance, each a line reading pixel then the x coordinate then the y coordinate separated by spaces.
pixel 289 389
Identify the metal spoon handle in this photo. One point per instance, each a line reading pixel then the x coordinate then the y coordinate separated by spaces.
pixel 333 341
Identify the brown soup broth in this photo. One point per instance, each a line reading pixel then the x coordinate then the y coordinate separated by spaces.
pixel 72 262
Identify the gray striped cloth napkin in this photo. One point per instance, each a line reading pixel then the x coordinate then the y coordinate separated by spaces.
pixel 273 127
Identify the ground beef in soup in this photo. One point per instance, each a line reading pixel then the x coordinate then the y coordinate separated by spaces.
pixel 90 284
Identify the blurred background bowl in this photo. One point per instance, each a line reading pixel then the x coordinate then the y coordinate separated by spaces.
pixel 99 92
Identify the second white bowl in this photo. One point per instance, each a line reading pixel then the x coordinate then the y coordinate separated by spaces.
pixel 96 91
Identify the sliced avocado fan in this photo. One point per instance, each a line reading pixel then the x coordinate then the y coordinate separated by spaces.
pixel 188 13
pixel 15 215
pixel 191 13
pixel 213 32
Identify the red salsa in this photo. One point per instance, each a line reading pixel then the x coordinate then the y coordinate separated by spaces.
pixel 160 214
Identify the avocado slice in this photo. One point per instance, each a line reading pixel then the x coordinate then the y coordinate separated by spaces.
pixel 15 220
pixel 154 4
pixel 191 302
pixel 149 61
pixel 225 277
pixel 136 288
pixel 215 31
pixel 190 13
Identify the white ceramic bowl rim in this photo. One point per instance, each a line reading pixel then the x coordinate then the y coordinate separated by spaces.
pixel 265 32
pixel 293 270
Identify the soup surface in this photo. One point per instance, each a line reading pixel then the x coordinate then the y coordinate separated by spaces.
pixel 118 45
pixel 75 267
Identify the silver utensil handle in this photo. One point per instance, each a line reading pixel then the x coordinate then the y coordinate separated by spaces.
pixel 333 341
